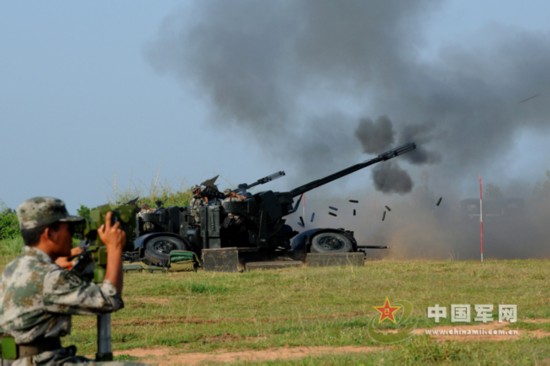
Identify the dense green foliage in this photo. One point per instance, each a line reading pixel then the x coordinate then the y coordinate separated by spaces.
pixel 83 211
pixel 9 226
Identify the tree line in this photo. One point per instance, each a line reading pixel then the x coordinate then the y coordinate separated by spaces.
pixel 9 225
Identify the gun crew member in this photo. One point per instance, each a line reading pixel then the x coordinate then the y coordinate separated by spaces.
pixel 197 202
pixel 38 296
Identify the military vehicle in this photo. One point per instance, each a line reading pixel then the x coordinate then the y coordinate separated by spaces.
pixel 253 223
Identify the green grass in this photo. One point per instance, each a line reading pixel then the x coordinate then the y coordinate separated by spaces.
pixel 330 306
pixel 9 248
pixel 423 351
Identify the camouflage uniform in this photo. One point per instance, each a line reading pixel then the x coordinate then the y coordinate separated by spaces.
pixel 196 203
pixel 37 297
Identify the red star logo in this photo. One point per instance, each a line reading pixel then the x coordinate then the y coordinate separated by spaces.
pixel 386 311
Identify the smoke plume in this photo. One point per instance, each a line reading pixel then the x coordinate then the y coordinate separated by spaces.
pixel 390 178
pixel 337 79
pixel 375 136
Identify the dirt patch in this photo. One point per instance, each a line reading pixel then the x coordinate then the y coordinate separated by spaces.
pixel 464 333
pixel 153 300
pixel 191 320
pixel 169 356
pixel 479 332
pixel 537 321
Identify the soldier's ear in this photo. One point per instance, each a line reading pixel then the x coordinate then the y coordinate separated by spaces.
pixel 46 234
pixel 49 233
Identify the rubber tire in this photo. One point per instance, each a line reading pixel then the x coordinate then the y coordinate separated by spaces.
pixel 157 249
pixel 327 242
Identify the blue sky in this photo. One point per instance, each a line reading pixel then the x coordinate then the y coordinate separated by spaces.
pixel 84 111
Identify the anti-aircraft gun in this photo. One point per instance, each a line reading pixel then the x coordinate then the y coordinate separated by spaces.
pixel 264 212
pixel 254 224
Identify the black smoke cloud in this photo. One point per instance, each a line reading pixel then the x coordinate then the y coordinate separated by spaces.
pixel 390 178
pixel 318 81
pixel 379 135
pixel 279 70
pixel 375 136
pixel 422 135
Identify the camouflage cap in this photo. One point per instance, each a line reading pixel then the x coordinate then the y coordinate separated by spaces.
pixel 39 211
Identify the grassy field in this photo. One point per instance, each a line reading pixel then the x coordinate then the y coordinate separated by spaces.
pixel 323 315
pixel 332 306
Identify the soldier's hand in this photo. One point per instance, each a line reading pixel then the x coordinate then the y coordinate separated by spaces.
pixel 67 262
pixel 111 234
pixel 114 238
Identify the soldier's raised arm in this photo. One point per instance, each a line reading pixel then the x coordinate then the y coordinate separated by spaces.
pixel 114 239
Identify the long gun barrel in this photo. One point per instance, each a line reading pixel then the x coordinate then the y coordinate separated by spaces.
pixel 382 157
pixel 263 180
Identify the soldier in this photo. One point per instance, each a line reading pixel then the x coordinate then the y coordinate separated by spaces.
pixel 211 195
pixel 38 297
pixel 233 223
pixel 231 196
pixel 196 203
pixel 145 225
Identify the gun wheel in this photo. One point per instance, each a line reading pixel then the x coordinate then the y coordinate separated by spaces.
pixel 331 242
pixel 158 248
